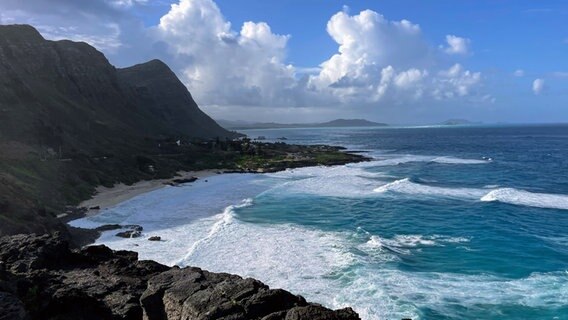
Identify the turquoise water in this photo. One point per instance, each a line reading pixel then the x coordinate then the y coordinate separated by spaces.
pixel 444 223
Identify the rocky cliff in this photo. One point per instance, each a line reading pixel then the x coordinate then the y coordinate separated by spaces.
pixel 41 278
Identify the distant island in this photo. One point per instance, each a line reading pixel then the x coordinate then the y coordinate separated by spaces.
pixel 458 122
pixel 240 125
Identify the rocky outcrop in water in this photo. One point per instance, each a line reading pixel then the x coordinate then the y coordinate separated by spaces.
pixel 41 278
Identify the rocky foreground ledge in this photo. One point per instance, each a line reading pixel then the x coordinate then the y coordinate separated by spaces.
pixel 42 278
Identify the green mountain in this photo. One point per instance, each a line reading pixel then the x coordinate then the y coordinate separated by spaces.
pixel 70 121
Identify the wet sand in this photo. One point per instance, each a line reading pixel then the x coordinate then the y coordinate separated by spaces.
pixel 109 197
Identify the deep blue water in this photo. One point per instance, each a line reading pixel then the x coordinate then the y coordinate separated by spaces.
pixel 443 223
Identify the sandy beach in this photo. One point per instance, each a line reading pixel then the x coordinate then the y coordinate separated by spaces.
pixel 109 197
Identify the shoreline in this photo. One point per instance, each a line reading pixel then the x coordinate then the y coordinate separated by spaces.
pixel 105 197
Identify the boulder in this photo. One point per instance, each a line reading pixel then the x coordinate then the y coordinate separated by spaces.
pixel 129 234
pixel 108 227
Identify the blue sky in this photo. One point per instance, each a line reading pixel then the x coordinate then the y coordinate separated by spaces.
pixel 406 61
pixel 513 32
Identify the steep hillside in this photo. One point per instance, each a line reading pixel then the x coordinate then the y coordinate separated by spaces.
pixel 158 90
pixel 70 121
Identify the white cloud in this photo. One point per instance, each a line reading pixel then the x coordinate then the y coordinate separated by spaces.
pixel 125 3
pixel 455 82
pixel 560 74
pixel 538 86
pixel 519 73
pixel 381 60
pixel 98 22
pixel 457 45
pixel 223 66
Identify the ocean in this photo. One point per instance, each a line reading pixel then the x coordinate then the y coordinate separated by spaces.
pixel 444 223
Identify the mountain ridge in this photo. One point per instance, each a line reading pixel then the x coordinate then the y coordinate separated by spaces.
pixel 235 125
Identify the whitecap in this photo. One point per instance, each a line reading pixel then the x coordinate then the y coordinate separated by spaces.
pixel 526 198
pixel 452 160
pixel 224 220
pixel 405 186
pixel 407 241
pixel 395 160
pixel 338 181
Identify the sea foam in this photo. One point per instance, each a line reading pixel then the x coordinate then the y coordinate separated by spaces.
pixel 505 195
pixel 405 186
pixel 394 160
pixel 530 199
pixel 324 266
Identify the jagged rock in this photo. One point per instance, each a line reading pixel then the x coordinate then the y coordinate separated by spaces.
pixel 155 238
pixel 108 227
pixel 134 227
pixel 43 279
pixel 129 234
pixel 11 308
pixel 315 312
pixel 188 294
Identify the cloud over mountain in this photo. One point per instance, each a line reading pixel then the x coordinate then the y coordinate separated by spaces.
pixel 378 62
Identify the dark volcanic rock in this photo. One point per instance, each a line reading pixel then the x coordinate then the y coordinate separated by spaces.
pixel 155 238
pixel 109 227
pixel 11 308
pixel 129 234
pixel 185 180
pixel 41 278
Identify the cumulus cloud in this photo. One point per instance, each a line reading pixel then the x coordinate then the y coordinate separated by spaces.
pixel 378 62
pixel 538 86
pixel 224 66
pixel 457 45
pixel 519 73
pixel 455 82
pixel 381 60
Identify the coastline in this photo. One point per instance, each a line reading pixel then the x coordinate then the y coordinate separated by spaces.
pixel 108 197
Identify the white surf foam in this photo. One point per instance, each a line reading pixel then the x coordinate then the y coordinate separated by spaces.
pixel 326 268
pixel 406 186
pixel 452 160
pixel 224 220
pixel 338 181
pixel 505 195
pixel 402 244
pixel 399 293
pixel 530 199
pixel 394 160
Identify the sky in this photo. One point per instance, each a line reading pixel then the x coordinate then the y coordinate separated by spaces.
pixel 400 62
